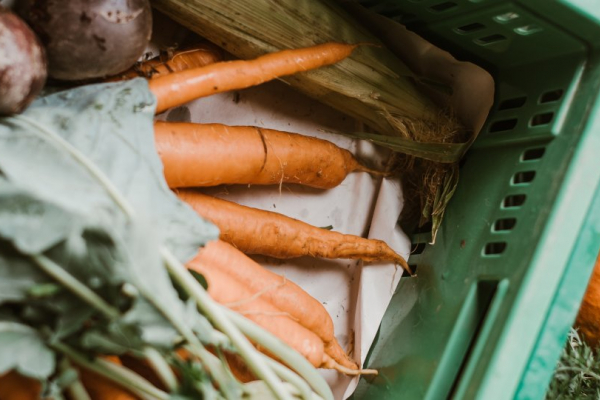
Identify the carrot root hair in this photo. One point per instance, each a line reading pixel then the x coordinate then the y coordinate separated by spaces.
pixel 330 363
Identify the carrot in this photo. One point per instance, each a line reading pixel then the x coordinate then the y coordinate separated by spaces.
pixel 215 154
pixel 198 55
pixel 255 231
pixel 14 386
pixel 181 87
pixel 101 388
pixel 588 317
pixel 142 367
pixel 239 368
pixel 282 293
pixel 228 291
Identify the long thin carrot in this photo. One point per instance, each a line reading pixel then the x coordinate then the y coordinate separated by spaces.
pixel 14 386
pixel 198 55
pixel 196 155
pixel 255 231
pixel 179 88
pixel 101 388
pixel 230 292
pixel 282 293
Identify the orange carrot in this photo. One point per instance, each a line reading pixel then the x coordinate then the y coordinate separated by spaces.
pixel 239 368
pixel 179 88
pixel 230 292
pixel 282 293
pixel 14 386
pixel 198 55
pixel 142 367
pixel 215 154
pixel 588 317
pixel 255 231
pixel 101 388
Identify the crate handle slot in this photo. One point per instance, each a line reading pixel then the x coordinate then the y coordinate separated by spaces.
pixel 467 339
pixel 494 292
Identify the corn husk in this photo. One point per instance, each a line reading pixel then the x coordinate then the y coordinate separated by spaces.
pixel 372 85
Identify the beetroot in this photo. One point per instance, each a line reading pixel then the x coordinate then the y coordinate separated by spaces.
pixel 22 64
pixel 87 39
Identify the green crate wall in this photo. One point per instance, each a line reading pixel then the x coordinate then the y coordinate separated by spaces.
pixel 489 311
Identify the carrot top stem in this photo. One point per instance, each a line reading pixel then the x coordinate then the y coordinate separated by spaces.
pixel 290 376
pixel 75 390
pixel 116 373
pixel 161 368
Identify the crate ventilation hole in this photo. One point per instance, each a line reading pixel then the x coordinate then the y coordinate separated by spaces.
pixel 551 96
pixel 524 177
pixel 542 119
pixel 533 154
pixel 513 103
pixel 505 225
pixel 470 28
pixel 503 125
pixel 490 39
pixel 417 248
pixel 445 6
pixel 494 248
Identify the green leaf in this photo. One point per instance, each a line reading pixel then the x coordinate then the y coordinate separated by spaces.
pixel 118 139
pixel 195 381
pixel 202 327
pixel 23 349
pixel 21 213
pixel 155 328
pixel 119 339
pixel 19 275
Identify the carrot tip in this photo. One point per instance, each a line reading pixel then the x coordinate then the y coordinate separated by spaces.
pixel 405 266
pixel 330 363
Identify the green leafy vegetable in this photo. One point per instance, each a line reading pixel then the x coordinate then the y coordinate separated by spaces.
pixel 22 349
pixel 87 227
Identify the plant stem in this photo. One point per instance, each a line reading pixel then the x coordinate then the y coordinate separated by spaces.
pixel 71 283
pixel 116 373
pixel 289 356
pixel 290 376
pixel 162 368
pixel 196 348
pixel 220 320
pixel 75 389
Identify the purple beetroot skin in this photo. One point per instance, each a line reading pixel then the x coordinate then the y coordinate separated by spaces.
pixel 87 39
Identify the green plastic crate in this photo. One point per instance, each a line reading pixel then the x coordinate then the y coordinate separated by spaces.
pixel 489 312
